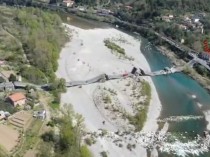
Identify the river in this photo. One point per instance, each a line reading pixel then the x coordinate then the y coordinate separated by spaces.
pixel 175 91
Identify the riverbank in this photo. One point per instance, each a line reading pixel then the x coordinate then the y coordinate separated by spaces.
pixel 86 56
pixel 204 82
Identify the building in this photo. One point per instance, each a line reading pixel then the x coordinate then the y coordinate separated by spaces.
pixel 196 20
pixel 40 114
pixel 181 26
pixel 171 16
pixel 68 3
pixel 4 115
pixel 128 7
pixel 104 12
pixel 166 18
pixel 8 86
pixel 17 99
pixel 204 56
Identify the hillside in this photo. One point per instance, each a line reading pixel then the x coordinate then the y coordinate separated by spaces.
pixel 31 40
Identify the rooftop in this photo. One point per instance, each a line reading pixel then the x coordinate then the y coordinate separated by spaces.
pixel 17 96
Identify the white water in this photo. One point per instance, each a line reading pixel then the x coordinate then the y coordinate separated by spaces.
pixel 165 142
pixel 180 118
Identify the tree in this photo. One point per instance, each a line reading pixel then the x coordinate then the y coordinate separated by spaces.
pixel 85 152
pixel 1 80
pixel 12 78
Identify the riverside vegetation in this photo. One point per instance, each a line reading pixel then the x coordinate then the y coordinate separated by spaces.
pixel 68 141
pixel 140 117
pixel 116 49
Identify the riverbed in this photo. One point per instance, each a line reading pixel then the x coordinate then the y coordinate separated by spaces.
pixel 178 93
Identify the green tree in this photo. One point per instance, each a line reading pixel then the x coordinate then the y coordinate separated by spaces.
pixel 85 152
pixel 12 78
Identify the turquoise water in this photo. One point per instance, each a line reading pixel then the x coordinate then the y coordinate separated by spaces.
pixel 175 92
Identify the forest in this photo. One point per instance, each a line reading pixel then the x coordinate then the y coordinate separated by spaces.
pixel 31 41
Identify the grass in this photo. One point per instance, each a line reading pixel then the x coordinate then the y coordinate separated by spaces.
pixel 140 117
pixel 54 106
pixel 3 152
pixel 31 136
pixel 114 47
pixel 107 99
pixel 5 106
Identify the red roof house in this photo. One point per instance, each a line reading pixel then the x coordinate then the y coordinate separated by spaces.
pixel 17 99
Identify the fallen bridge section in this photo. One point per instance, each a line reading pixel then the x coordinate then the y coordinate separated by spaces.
pixel 100 78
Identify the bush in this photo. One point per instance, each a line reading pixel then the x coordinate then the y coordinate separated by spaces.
pixel 48 137
pixel 107 99
pixel 33 74
pixel 85 151
pixel 114 47
pixel 12 78
pixel 88 141
pixel 129 146
pixel 1 80
pixel 51 124
pixel 139 118
pixel 104 154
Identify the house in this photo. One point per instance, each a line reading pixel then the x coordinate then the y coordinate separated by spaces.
pixel 187 19
pixel 181 26
pixel 8 86
pixel 171 16
pixel 40 114
pixel 17 99
pixel 196 20
pixel 128 7
pixel 165 18
pixel 81 8
pixel 68 3
pixel 4 115
pixel 2 62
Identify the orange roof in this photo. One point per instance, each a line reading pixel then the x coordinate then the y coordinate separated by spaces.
pixel 17 96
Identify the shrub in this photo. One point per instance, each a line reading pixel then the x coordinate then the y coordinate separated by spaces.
pixel 48 136
pixel 85 151
pixel 129 146
pixel 104 154
pixel 111 45
pixel 12 78
pixel 88 141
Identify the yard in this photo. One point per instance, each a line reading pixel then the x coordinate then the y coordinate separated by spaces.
pixel 9 137
pixel 31 137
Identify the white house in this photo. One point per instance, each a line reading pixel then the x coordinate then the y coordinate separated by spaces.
pixel 68 3
pixel 196 20
pixel 171 16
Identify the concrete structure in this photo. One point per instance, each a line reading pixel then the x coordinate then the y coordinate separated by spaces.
pixel 7 86
pixel 40 114
pixel 2 115
pixel 204 56
pixel 17 99
pixel 196 20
